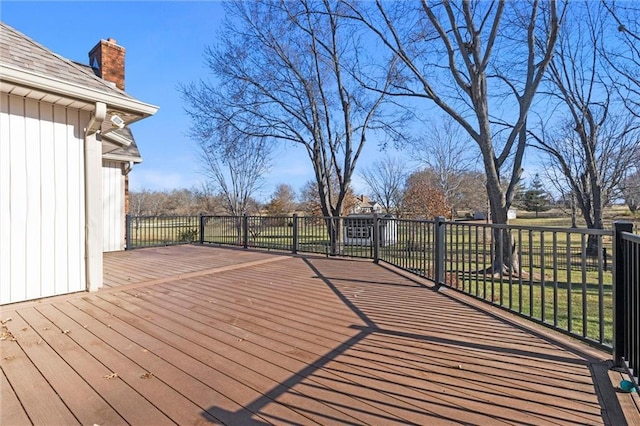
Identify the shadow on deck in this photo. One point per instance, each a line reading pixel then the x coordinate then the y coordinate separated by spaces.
pixel 196 335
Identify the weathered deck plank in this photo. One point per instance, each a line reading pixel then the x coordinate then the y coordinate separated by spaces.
pixel 11 411
pixel 208 335
pixel 86 405
pixel 31 388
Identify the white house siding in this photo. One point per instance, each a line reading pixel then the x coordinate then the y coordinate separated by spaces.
pixel 42 218
pixel 112 206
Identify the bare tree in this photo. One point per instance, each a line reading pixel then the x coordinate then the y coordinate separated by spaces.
pixel 235 164
pixel 310 202
pixel 138 202
pixel 448 153
pixel 385 181
pixel 149 203
pixel 285 71
pixel 596 143
pixel 472 194
pixel 623 53
pixel 205 198
pixel 474 60
pixel 631 191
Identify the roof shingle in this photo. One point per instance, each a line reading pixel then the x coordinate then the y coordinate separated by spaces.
pixel 18 50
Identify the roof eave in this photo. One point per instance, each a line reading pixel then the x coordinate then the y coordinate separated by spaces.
pixel 45 83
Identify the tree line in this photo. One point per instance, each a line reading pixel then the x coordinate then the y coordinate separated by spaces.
pixel 550 79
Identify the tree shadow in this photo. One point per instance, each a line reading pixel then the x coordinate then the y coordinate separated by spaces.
pixel 253 412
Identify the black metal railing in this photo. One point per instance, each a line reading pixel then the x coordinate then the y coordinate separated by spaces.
pixel 559 277
pixel 153 231
pixel 627 301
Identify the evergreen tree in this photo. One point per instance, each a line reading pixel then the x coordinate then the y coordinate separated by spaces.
pixel 536 198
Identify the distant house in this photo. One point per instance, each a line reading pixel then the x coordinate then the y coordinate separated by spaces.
pixel 65 151
pixel 364 205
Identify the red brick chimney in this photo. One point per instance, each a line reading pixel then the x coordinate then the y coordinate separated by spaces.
pixel 107 61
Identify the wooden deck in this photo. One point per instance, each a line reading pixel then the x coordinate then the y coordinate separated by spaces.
pixel 198 335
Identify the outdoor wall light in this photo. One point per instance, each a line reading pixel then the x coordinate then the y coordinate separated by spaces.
pixel 115 119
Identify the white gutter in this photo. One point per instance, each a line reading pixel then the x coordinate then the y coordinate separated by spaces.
pixel 93 198
pixel 114 137
pixel 54 85
pixel 121 158
pixel 95 124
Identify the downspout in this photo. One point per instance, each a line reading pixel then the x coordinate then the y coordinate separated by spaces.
pixel 93 198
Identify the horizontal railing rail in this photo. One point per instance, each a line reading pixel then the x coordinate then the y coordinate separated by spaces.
pixel 559 277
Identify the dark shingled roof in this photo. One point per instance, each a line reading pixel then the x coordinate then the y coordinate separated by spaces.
pixel 125 151
pixel 20 51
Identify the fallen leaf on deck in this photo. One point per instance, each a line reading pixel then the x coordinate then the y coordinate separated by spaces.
pixel 4 321
pixel 111 376
pixel 46 328
pixel 24 329
pixel 66 331
pixel 146 375
pixel 39 341
pixel 9 358
pixel 6 334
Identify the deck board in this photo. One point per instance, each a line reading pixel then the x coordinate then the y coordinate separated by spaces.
pixel 225 336
pixel 11 410
pixel 242 348
pixel 82 400
pixel 31 388
pixel 157 359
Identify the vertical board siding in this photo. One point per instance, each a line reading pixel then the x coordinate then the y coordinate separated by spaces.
pixel 112 206
pixel 47 199
pixel 34 208
pixel 18 201
pixel 5 204
pixel 41 199
pixel 60 209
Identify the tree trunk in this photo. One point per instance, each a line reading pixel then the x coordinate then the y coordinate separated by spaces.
pixel 505 255
pixel 334 231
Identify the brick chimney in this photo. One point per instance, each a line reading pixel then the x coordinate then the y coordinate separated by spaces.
pixel 107 61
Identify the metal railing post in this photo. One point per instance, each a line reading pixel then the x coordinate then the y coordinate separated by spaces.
pixel 438 254
pixel 201 228
pixel 295 234
pixel 376 238
pixel 620 314
pixel 127 232
pixel 245 230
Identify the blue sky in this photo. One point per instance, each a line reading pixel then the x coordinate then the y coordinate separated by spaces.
pixel 164 44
